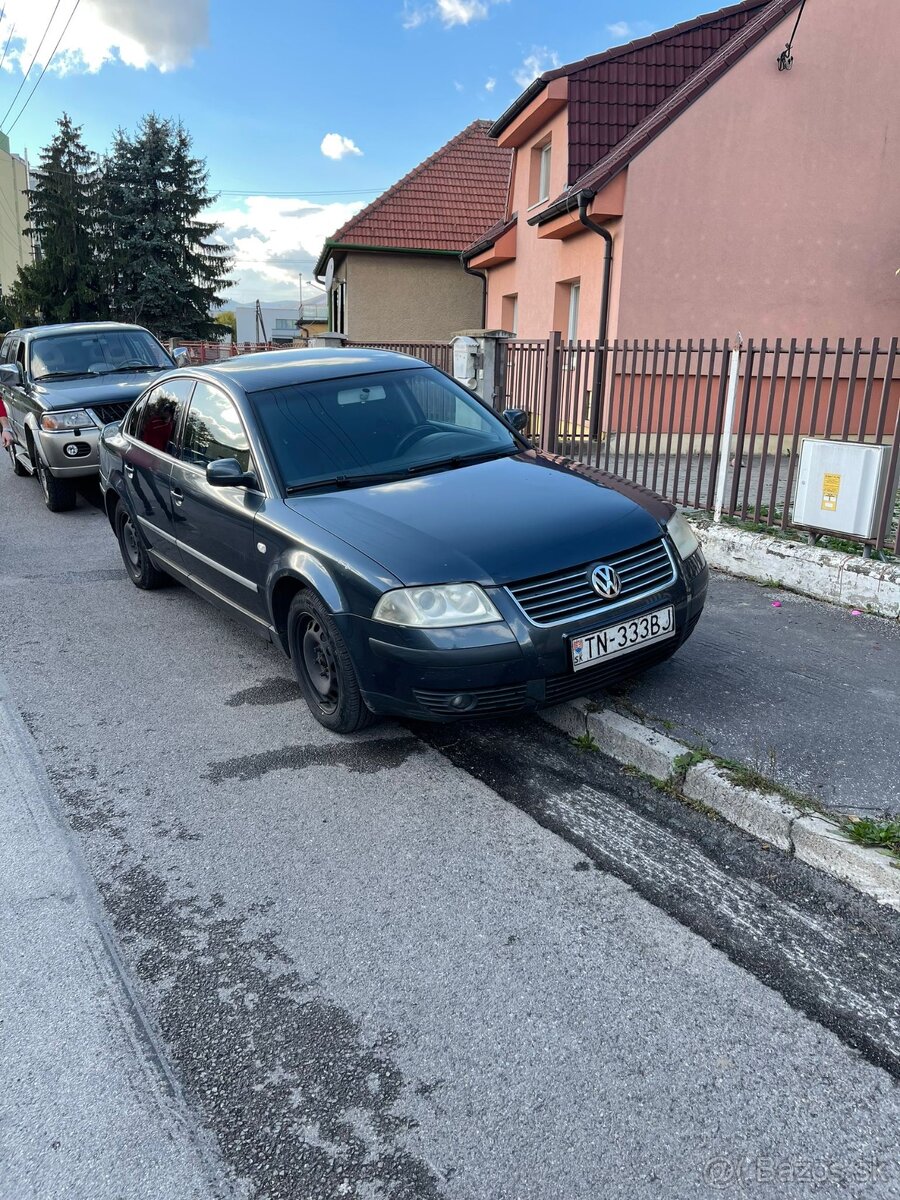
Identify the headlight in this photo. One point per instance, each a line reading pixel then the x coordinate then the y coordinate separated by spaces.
pixel 683 536
pixel 76 418
pixel 436 607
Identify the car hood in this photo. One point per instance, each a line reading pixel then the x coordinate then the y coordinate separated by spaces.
pixel 103 389
pixel 493 522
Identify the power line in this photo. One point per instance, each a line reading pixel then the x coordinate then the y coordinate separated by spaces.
pixel 30 65
pixel 44 69
pixel 6 47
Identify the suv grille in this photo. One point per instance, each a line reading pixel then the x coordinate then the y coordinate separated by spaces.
pixel 113 411
pixel 567 594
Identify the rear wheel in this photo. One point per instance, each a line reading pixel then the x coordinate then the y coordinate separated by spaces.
pixel 59 494
pixel 17 467
pixel 323 666
pixel 134 553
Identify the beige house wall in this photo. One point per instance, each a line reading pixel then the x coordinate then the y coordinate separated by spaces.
pixel 408 297
pixel 772 206
pixel 15 246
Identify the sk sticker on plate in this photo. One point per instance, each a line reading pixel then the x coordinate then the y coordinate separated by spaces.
pixel 831 486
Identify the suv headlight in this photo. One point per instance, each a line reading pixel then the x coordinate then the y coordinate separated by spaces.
pixel 75 418
pixel 436 607
pixel 683 536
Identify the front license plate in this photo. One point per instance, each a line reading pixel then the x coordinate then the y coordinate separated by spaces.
pixel 622 638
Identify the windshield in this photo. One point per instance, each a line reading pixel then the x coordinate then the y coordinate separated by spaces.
pixel 367 427
pixel 103 352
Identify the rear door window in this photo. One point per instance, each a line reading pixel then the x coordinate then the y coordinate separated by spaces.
pixel 160 417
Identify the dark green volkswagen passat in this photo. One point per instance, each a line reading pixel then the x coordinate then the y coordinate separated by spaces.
pixel 406 546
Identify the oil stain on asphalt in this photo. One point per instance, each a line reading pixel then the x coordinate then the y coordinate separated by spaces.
pixel 362 757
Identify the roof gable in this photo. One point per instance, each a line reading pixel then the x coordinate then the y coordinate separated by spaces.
pixel 442 205
pixel 610 94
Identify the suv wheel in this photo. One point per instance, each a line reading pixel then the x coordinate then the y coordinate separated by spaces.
pixel 17 467
pixel 59 494
pixel 134 553
pixel 323 666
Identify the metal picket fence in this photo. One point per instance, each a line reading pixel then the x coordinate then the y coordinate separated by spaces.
pixel 664 406
pixel 439 354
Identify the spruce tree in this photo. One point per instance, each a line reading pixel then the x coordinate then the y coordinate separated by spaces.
pixel 63 283
pixel 163 268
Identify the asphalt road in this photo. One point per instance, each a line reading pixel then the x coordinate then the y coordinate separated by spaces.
pixel 462 962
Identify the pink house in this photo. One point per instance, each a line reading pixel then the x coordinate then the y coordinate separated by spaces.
pixel 683 185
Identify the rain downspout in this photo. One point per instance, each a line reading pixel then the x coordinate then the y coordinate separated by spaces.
pixel 482 275
pixel 584 199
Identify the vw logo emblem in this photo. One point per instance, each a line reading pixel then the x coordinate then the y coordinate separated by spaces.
pixel 605 581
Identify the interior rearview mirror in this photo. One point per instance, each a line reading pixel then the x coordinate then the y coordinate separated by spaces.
pixel 228 472
pixel 517 417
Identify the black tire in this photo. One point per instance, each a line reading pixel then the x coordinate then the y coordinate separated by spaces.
pixel 323 666
pixel 59 494
pixel 137 562
pixel 17 467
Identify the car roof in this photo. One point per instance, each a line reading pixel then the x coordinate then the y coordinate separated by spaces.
pixel 39 331
pixel 285 368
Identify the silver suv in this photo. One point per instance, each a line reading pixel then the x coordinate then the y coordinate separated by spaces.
pixel 61 384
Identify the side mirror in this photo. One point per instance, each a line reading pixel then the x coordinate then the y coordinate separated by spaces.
pixel 181 356
pixel 10 375
pixel 228 472
pixel 517 417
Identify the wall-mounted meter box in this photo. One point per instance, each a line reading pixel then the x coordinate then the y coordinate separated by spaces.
pixel 841 486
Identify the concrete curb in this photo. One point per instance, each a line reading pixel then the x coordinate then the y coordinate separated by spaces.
pixel 845 579
pixel 764 815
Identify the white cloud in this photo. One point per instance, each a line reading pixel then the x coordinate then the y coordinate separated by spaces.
pixel 276 239
pixel 336 146
pixel 448 12
pixel 536 63
pixel 459 86
pixel 490 85
pixel 627 30
pixel 164 34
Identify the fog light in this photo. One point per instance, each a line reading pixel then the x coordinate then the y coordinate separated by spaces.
pixel 71 450
pixel 76 449
pixel 463 702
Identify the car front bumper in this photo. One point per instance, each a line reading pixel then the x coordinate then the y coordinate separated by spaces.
pixel 70 463
pixel 510 666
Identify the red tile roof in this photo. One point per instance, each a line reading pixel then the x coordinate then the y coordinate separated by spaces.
pixel 618 101
pixel 443 204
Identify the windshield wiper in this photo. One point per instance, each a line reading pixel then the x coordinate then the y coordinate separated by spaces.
pixel 65 375
pixel 342 481
pixel 461 460
pixel 132 367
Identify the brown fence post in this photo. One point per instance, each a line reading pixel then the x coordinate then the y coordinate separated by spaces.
pixel 550 420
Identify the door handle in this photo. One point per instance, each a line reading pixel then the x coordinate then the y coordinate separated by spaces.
pixel 177 495
pixel 129 470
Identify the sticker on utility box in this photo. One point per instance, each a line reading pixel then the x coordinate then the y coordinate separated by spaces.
pixel 831 486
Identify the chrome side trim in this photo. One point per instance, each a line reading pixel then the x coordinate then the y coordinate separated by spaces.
pixel 194 582
pixel 159 532
pixel 247 583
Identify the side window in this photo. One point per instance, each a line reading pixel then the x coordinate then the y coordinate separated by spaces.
pixel 135 413
pixel 213 429
pixel 158 424
pixel 20 356
pixel 5 349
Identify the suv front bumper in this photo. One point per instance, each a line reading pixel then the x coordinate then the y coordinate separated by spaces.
pixel 70 453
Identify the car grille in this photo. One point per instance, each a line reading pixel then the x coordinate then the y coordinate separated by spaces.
pixel 112 411
pixel 487 700
pixel 553 598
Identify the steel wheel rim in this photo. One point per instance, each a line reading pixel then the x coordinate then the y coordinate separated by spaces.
pixel 42 476
pixel 319 664
pixel 132 547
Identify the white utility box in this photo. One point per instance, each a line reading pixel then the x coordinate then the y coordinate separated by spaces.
pixel 465 359
pixel 841 486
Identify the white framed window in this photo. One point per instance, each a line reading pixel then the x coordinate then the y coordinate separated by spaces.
pixel 574 298
pixel 544 174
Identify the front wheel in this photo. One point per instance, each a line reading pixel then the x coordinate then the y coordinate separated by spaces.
pixel 59 494
pixel 323 666
pixel 137 562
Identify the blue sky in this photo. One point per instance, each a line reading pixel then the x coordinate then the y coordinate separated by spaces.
pixel 261 88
